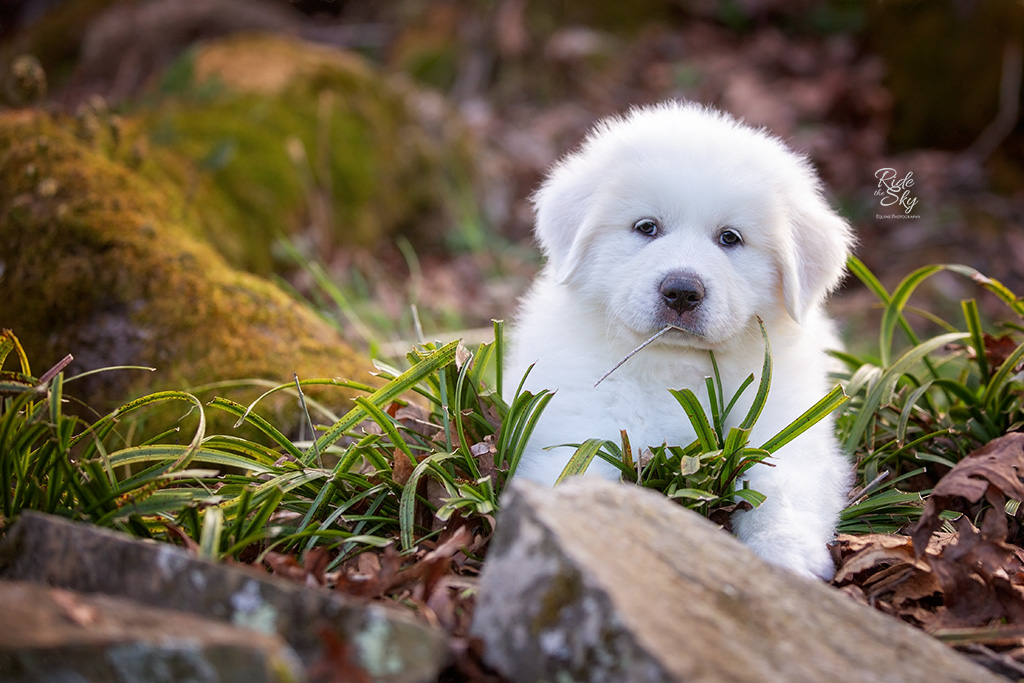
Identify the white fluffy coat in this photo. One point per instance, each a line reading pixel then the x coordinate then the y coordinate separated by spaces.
pixel 696 174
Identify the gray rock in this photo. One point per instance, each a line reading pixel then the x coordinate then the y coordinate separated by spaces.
pixel 323 627
pixel 608 582
pixel 51 634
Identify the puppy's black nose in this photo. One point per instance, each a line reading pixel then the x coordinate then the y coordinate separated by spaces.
pixel 681 293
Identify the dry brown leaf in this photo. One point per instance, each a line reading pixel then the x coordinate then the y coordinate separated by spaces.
pixel 979 572
pixel 998 349
pixel 413 417
pixel 992 472
pixel 912 589
pixel 875 551
pixel 401 468
pixel 974 575
pixel 484 453
pixel 315 563
pixel 285 566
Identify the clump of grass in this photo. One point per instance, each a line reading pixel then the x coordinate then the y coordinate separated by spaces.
pixel 707 474
pixel 433 442
pixel 436 444
pixel 921 405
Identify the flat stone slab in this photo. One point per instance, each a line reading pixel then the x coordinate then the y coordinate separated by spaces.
pixel 323 627
pixel 609 582
pixel 52 634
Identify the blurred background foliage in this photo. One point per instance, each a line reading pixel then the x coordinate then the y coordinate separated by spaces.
pixel 370 156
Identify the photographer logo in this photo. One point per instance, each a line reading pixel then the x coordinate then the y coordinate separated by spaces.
pixel 895 193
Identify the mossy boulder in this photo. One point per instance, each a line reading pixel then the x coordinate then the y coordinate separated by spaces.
pixel 287 137
pixel 100 262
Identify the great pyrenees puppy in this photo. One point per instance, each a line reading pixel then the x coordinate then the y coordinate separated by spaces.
pixel 680 215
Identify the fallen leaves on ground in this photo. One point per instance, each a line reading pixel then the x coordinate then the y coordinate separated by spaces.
pixel 437 581
pixel 964 586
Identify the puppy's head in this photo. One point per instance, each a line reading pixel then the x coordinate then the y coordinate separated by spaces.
pixel 677 214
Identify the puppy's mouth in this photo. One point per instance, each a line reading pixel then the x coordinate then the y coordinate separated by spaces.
pixel 678 327
pixel 680 332
pixel 666 332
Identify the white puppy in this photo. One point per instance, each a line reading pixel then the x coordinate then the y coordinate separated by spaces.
pixel 677 214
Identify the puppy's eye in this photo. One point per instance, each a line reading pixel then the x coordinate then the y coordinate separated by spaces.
pixel 730 238
pixel 646 226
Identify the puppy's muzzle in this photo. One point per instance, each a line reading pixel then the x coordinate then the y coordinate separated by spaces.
pixel 681 292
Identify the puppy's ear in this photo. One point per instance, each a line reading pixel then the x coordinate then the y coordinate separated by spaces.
pixel 561 206
pixel 813 259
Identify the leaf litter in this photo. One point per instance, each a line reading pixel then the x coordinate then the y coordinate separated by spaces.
pixel 437 582
pixel 964 582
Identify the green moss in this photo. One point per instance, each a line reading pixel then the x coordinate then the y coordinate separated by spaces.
pixel 100 262
pixel 564 591
pixel 281 136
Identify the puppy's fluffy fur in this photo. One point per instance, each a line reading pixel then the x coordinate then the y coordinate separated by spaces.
pixel 678 214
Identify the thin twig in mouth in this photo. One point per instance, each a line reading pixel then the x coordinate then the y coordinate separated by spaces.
pixel 637 350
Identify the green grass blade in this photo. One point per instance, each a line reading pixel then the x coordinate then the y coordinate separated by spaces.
pixel 973 321
pixel 751 496
pixel 9 342
pixel 213 528
pixel 245 415
pixel 735 397
pixel 518 426
pixel 398 386
pixel 716 413
pixel 407 503
pixel 109 368
pixel 484 357
pixel 864 377
pixel 580 460
pixel 894 310
pixel 881 391
pixel 56 398
pixel 698 418
pixel 499 355
pixel 694 494
pixel 857 267
pixel 247 451
pixel 998 384
pixel 6 345
pixel 446 410
pixel 807 419
pixel 761 397
pixel 266 505
pixel 467 460
pixel 1015 302
pixel 907 409
pixel 735 441
pixel 862 272
pixel 387 425
pixel 109 420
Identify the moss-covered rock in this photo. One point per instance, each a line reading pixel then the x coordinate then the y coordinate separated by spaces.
pixel 286 136
pixel 100 262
